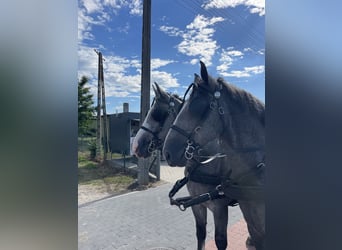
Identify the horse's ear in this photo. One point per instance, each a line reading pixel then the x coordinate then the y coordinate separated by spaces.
pixel 197 79
pixel 160 93
pixel 204 72
pixel 156 90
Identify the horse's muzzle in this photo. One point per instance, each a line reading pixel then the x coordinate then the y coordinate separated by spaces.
pixel 174 154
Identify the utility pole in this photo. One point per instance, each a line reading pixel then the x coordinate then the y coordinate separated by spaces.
pixel 101 88
pixel 98 130
pixel 104 112
pixel 143 164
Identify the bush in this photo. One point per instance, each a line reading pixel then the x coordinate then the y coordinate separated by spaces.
pixel 92 149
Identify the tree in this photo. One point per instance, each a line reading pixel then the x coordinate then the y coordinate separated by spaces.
pixel 85 106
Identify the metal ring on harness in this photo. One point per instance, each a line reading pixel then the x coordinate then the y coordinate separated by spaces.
pixel 181 207
pixel 219 189
pixel 189 150
pixel 213 105
pixel 151 146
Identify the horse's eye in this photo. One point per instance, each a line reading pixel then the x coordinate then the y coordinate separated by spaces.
pixel 198 106
pixel 159 116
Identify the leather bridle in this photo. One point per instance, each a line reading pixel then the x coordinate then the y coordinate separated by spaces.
pixel 215 104
pixel 156 142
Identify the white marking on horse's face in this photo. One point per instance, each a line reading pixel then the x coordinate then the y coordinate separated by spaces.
pixel 135 144
pixel 139 137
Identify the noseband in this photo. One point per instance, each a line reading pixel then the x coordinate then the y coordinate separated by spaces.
pixel 156 142
pixel 215 104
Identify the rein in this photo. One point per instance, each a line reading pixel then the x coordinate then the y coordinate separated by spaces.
pixel 235 191
pixel 192 175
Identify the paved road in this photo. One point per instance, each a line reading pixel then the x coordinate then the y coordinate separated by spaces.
pixel 141 220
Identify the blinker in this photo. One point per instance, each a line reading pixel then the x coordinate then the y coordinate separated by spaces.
pixel 172 104
pixel 217 94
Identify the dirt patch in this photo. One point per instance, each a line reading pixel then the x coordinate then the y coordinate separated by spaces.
pixel 97 181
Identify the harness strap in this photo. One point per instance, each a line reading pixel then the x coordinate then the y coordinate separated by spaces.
pixel 176 187
pixel 205 179
pixel 181 131
pixel 148 130
pixel 252 172
pixel 155 143
pixel 237 190
pixel 214 194
pixel 243 192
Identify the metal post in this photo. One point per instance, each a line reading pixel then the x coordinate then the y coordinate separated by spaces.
pixel 143 164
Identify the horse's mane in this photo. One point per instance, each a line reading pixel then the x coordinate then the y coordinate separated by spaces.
pixel 176 96
pixel 245 100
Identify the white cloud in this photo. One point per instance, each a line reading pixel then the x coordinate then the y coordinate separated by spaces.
pixel 197 38
pixel 255 6
pixel 227 57
pixel 256 69
pixel 94 12
pixel 86 21
pixel 164 79
pixel 235 53
pixel 122 76
pixel 92 5
pixel 261 52
pixel 157 63
pixel 246 72
pixel 258 52
pixel 136 7
pixel 171 31
pixel 194 61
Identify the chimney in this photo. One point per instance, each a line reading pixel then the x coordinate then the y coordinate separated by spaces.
pixel 125 107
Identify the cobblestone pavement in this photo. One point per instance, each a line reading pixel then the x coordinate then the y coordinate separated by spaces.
pixel 141 220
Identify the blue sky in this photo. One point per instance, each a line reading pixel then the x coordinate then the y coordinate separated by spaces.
pixel 227 35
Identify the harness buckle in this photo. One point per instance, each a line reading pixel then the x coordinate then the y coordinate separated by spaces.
pixel 151 146
pixel 219 189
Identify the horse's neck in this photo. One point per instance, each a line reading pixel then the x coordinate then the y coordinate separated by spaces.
pixel 243 128
pixel 241 157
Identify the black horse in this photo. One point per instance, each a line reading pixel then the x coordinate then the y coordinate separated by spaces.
pixel 223 119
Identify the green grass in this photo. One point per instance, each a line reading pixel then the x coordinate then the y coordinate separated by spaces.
pixel 118 179
pixel 101 176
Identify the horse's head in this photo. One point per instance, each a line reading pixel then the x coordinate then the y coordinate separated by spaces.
pixel 198 124
pixel 152 133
